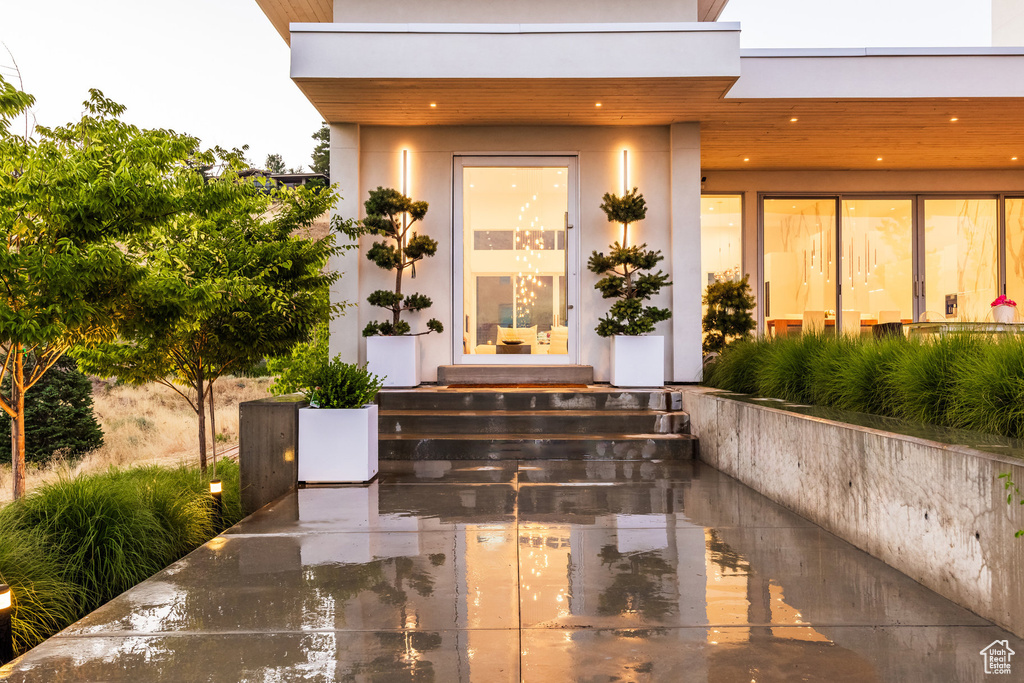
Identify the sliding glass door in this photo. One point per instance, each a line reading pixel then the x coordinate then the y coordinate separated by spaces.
pixel 878 262
pixel 961 258
pixel 800 291
pixel 515 282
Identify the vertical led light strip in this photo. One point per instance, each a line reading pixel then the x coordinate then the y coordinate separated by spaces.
pixel 405 216
pixel 625 188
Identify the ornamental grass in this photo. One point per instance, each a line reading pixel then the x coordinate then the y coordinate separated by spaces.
pixel 73 544
pixel 957 380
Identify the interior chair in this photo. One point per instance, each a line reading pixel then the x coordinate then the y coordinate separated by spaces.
pixel 813 321
pixel 559 341
pixel 851 323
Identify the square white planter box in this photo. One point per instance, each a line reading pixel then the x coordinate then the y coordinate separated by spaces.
pixel 338 445
pixel 638 361
pixel 396 359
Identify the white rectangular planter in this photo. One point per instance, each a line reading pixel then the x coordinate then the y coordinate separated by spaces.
pixel 338 445
pixel 396 359
pixel 638 361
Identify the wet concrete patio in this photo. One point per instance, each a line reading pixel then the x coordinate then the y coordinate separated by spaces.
pixel 524 570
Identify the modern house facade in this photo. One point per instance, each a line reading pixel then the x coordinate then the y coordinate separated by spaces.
pixel 853 186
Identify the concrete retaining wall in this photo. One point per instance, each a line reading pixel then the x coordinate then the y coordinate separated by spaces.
pixel 936 512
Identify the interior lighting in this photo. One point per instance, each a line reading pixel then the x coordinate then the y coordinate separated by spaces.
pixel 746 159
pixel 597 104
pixel 433 105
pixel 878 159
pixel 1013 158
pixel 954 120
pixel 793 120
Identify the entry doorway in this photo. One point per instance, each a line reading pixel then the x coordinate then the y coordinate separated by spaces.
pixel 515 260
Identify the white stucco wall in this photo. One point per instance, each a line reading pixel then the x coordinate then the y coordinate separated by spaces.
pixel 599 150
pixel 520 11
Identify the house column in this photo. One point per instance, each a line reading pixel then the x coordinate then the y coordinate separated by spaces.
pixel 685 259
pixel 345 330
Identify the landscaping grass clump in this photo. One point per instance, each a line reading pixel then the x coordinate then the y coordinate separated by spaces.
pixel 989 394
pixel 71 545
pixel 957 380
pixel 736 369
pixel 785 367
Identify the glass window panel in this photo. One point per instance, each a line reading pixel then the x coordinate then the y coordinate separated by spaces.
pixel 877 266
pixel 721 239
pixel 961 257
pixel 1015 249
pixel 514 230
pixel 799 266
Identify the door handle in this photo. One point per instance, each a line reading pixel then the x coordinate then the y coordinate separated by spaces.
pixel 569 307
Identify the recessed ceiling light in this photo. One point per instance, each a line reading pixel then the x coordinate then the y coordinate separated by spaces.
pixel 597 104
pixel 472 185
pixel 747 159
pixel 433 104
pixel 793 120
pixel 1013 158
pixel 878 159
pixel 954 119
pixel 513 184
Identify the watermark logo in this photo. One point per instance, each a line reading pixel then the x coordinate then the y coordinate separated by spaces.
pixel 997 657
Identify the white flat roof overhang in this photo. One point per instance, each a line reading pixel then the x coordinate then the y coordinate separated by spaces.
pixel 390 74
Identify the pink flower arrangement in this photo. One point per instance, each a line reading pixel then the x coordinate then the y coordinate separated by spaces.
pixel 1003 301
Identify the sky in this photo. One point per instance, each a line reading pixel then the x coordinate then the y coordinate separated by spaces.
pixel 218 70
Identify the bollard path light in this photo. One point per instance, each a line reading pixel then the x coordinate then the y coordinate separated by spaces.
pixel 216 489
pixel 6 634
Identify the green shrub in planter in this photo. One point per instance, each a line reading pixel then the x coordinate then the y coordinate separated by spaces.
pixel 623 273
pixel 340 385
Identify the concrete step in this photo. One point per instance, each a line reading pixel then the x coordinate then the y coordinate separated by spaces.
pixel 454 375
pixel 533 422
pixel 591 398
pixel 412 446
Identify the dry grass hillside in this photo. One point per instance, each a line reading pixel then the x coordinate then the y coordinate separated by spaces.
pixel 148 425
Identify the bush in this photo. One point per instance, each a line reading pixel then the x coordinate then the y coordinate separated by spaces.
pixel 72 545
pixel 958 381
pixel 59 419
pixel 339 385
pixel 291 370
pixel 728 315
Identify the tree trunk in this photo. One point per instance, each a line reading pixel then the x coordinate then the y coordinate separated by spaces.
pixel 398 283
pixel 213 429
pixel 201 411
pixel 18 425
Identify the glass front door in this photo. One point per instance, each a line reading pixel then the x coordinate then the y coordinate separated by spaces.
pixel 514 236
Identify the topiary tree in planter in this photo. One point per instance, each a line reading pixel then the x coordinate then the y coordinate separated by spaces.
pixel 728 316
pixel 624 277
pixel 636 360
pixel 385 211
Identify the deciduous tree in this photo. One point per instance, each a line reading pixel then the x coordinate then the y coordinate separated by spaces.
pixel 226 284
pixel 70 197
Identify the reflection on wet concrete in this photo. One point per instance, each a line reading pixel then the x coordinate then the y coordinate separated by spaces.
pixel 539 571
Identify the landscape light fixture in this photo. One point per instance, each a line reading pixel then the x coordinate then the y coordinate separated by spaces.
pixel 6 635
pixel 216 490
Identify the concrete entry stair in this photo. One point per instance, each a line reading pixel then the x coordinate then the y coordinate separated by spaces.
pixel 462 375
pixel 591 423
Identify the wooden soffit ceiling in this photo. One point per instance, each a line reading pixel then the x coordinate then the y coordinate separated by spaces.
pixel 282 12
pixel 827 134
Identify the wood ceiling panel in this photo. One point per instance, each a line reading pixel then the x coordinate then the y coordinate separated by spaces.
pixel 283 12
pixel 828 134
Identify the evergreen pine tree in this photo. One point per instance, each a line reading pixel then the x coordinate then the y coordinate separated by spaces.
pixel 58 416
